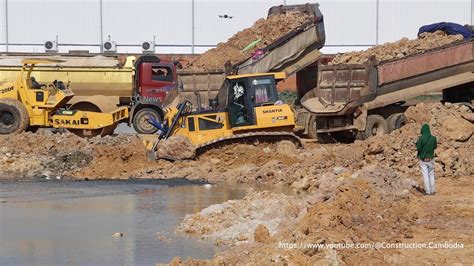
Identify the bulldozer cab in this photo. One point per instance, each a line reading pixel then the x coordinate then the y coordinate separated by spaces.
pixel 240 95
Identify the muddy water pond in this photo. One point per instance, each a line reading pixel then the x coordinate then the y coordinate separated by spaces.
pixel 71 223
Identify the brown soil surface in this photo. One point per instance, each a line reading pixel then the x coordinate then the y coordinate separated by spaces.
pixel 268 30
pixel 359 214
pixel 29 155
pixel 351 193
pixel 399 49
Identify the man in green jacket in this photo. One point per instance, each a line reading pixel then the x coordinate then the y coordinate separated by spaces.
pixel 425 146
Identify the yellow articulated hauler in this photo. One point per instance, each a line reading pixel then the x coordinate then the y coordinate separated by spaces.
pixel 25 104
pixel 247 107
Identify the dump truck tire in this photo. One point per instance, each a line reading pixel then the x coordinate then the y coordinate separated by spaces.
pixel 13 117
pixel 140 123
pixel 312 128
pixel 376 126
pixel 396 121
pixel 320 137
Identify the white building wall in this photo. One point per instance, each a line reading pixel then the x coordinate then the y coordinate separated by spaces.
pixel 132 22
pixel 402 18
pixel 350 24
pixel 2 22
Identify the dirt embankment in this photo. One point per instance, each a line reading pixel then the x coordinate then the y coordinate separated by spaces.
pixel 355 212
pixel 399 49
pixel 266 30
pixel 29 155
pixel 351 193
pixel 371 196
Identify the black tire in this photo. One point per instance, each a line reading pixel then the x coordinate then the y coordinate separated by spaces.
pixel 312 127
pixel 140 123
pixel 13 117
pixel 375 126
pixel 320 137
pixel 396 121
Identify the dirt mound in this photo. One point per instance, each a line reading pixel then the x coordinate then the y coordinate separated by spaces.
pixel 45 154
pixel 399 49
pixel 30 155
pixel 235 221
pixel 266 30
pixel 49 155
pixel 356 213
pixel 176 148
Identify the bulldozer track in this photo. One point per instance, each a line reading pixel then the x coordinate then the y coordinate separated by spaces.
pixel 252 137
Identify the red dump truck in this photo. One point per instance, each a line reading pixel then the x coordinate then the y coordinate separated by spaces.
pixel 366 99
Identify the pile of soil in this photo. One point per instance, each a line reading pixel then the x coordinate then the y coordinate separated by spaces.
pixel 267 30
pixel 399 49
pixel 29 155
pixel 60 155
pixel 235 221
pixel 352 193
pixel 355 213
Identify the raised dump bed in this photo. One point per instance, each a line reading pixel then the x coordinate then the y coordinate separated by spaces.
pixel 296 49
pixel 346 91
pixel 289 53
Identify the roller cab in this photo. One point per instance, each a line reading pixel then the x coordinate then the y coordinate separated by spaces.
pixel 26 103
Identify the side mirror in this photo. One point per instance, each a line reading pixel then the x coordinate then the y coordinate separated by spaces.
pixel 177 64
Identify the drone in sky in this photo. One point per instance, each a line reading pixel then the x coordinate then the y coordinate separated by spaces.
pixel 226 16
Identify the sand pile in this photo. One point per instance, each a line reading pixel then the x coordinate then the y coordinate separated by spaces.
pixel 399 49
pixel 267 30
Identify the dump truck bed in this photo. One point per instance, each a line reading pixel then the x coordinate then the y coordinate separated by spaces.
pixel 293 51
pixel 290 53
pixel 342 88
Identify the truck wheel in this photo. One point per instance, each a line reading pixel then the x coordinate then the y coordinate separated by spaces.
pixel 396 121
pixel 140 121
pixel 312 127
pixel 376 126
pixel 320 137
pixel 13 116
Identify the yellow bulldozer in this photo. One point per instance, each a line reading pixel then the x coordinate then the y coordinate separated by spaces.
pixel 247 108
pixel 26 104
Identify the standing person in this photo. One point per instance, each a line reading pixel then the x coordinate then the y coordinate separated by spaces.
pixel 425 146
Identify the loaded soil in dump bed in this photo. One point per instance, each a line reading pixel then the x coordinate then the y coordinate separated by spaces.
pixel 268 30
pixel 399 49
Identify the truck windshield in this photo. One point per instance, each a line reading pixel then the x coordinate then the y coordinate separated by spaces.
pixel 264 90
pixel 162 73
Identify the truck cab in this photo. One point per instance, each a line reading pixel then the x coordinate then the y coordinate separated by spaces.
pixel 153 80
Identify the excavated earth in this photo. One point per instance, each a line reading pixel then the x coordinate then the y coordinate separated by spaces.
pixel 364 192
pixel 267 30
pixel 399 49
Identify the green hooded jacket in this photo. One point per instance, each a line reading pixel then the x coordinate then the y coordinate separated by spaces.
pixel 426 144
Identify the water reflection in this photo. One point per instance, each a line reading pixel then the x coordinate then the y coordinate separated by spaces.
pixel 71 223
